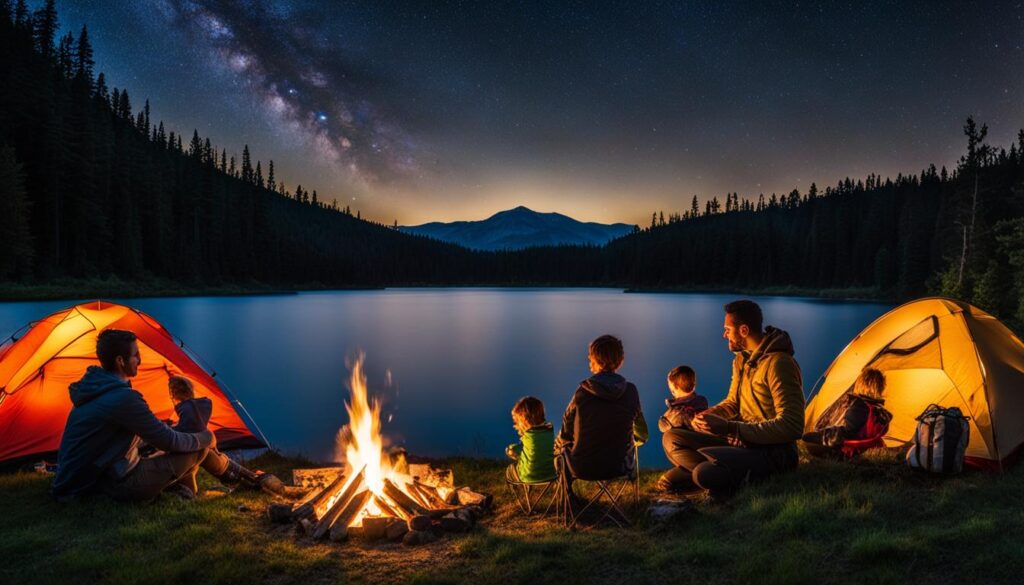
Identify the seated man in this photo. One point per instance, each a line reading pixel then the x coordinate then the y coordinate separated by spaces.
pixel 603 423
pixel 753 432
pixel 99 452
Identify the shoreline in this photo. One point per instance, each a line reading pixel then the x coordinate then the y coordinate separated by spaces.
pixel 70 290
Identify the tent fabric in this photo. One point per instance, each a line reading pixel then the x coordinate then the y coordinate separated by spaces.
pixel 940 351
pixel 36 369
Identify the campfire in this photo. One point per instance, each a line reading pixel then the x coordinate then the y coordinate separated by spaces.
pixel 376 494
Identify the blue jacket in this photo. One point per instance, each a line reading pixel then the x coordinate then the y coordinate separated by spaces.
pixel 108 421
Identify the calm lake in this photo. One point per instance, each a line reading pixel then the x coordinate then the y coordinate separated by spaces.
pixel 459 358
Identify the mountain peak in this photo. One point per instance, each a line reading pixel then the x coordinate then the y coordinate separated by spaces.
pixel 521 227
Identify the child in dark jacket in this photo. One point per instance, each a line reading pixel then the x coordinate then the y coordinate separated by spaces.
pixel 193 416
pixel 603 424
pixel 193 413
pixel 849 418
pixel 685 402
pixel 534 454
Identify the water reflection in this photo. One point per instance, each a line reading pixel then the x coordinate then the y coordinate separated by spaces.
pixel 460 358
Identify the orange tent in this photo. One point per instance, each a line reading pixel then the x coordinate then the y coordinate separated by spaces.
pixel 36 368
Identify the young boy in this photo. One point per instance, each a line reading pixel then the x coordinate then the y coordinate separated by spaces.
pixel 849 417
pixel 685 402
pixel 534 454
pixel 603 423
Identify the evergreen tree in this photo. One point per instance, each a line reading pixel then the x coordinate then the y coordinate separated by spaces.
pixel 17 253
pixel 84 62
pixel 46 26
pixel 271 182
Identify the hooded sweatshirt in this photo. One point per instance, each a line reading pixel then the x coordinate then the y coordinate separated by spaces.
pixel 765 403
pixel 107 422
pixel 193 415
pixel 600 425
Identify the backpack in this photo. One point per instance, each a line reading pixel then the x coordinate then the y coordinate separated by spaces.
pixel 940 440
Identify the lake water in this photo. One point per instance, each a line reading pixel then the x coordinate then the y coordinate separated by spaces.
pixel 460 358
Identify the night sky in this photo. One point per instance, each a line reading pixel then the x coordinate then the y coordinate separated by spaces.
pixel 421 111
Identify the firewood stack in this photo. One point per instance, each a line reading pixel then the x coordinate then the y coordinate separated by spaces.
pixel 415 513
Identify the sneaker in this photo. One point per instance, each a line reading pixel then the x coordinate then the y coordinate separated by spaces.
pixel 667 487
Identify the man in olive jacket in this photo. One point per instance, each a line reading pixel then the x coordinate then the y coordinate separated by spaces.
pixel 753 432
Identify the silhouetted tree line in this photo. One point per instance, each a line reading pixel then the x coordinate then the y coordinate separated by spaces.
pixel 90 187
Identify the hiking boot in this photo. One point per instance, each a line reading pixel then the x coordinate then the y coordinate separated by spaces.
pixel 670 484
pixel 236 474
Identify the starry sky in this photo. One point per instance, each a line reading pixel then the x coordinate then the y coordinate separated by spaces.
pixel 444 110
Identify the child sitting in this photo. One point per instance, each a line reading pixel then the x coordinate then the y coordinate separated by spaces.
pixel 534 454
pixel 603 423
pixel 193 413
pixel 856 416
pixel 685 402
pixel 193 416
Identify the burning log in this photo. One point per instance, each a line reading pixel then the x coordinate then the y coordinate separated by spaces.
pixel 339 505
pixel 387 508
pixel 339 531
pixel 321 498
pixel 434 500
pixel 402 499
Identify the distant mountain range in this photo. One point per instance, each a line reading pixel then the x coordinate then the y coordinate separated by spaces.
pixel 519 228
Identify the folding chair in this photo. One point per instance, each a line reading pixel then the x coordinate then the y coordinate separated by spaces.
pixel 529 496
pixel 608 494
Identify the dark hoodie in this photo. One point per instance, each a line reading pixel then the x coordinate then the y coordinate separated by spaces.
pixel 600 425
pixel 193 415
pixel 106 424
pixel 765 403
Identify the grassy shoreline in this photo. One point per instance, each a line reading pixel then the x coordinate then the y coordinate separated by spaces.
pixel 875 521
pixel 70 289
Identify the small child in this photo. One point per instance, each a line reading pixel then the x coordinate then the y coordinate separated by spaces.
pixel 534 455
pixel 856 416
pixel 193 413
pixel 685 402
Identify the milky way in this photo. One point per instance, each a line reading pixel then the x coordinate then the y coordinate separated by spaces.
pixel 302 81
pixel 605 111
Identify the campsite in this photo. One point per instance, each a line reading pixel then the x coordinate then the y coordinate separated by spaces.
pixel 306 291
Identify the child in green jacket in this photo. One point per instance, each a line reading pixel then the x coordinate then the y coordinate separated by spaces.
pixel 534 456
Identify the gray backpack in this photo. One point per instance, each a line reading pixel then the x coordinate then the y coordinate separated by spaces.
pixel 940 440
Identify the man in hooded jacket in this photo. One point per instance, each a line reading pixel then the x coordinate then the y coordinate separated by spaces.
pixel 753 432
pixel 99 451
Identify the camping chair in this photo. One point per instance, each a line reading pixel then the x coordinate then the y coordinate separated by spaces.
pixel 871 436
pixel 609 495
pixel 529 496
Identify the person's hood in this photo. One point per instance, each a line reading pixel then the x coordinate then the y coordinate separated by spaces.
pixel 606 385
pixel 95 383
pixel 684 401
pixel 202 406
pixel 775 341
pixel 543 427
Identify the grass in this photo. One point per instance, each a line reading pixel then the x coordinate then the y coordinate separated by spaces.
pixel 829 522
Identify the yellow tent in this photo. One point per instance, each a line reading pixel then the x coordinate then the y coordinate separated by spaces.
pixel 945 352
